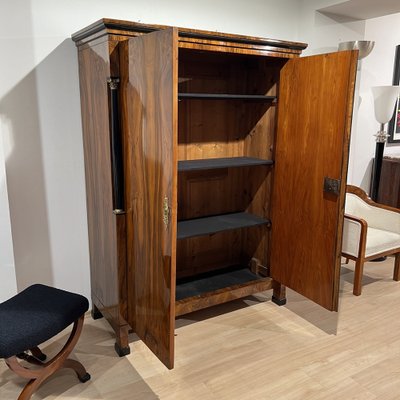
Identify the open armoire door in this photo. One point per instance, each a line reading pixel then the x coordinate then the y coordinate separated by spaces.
pixel 150 109
pixel 311 157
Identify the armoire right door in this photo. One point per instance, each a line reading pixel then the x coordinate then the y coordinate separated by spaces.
pixel 311 158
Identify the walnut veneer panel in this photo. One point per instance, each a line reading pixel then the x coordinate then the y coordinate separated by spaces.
pixel 315 106
pixel 152 166
pixel 220 296
pixel 205 40
pixel 225 128
pixel 107 234
pixel 228 128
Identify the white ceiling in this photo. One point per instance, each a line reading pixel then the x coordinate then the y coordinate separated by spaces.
pixel 363 9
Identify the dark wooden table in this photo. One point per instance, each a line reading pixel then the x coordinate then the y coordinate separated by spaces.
pixel 389 188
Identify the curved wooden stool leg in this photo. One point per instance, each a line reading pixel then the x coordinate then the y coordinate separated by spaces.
pixel 30 388
pixel 80 370
pixel 37 376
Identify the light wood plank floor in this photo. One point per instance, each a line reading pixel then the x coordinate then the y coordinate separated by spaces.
pixel 251 349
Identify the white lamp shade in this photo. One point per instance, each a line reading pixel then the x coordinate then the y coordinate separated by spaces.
pixel 364 47
pixel 384 101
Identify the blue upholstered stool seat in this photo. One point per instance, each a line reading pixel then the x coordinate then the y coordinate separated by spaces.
pixel 35 315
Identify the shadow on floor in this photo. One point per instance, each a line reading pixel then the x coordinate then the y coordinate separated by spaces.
pixel 100 360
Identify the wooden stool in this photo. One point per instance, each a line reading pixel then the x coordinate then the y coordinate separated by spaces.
pixel 30 318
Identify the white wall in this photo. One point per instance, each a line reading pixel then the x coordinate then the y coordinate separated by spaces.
pixel 323 32
pixel 8 285
pixel 39 109
pixel 42 158
pixel 377 69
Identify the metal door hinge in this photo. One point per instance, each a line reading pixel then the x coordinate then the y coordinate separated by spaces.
pixel 113 83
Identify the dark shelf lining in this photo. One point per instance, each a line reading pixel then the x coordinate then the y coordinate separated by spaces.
pixel 216 280
pixel 226 96
pixel 218 223
pixel 215 163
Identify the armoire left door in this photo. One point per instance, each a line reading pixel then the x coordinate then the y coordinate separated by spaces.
pixel 149 115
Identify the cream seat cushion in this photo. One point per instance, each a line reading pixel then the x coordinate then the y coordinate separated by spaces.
pixel 379 241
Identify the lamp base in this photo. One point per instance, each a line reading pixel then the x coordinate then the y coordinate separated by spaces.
pixel 379 259
pixel 377 167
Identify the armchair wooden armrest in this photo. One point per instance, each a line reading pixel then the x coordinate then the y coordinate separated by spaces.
pixel 355 237
pixel 352 235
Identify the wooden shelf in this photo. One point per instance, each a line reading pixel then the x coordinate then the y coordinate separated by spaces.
pixel 217 287
pixel 226 96
pixel 218 223
pixel 216 163
pixel 212 281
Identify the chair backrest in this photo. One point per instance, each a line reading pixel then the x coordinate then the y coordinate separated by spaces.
pixel 375 217
pixel 353 204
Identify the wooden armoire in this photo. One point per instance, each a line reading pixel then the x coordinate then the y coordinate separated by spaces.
pixel 215 169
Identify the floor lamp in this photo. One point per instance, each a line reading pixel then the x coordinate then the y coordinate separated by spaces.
pixel 384 101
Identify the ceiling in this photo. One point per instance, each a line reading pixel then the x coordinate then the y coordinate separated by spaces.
pixel 363 9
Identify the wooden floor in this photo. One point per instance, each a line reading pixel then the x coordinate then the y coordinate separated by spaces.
pixel 251 349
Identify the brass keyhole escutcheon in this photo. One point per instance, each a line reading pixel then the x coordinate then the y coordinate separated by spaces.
pixel 166 212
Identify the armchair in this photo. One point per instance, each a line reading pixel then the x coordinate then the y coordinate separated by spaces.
pixel 370 230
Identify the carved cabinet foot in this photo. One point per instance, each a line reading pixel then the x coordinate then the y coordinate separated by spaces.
pixel 96 314
pixel 122 351
pixel 122 341
pixel 279 294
